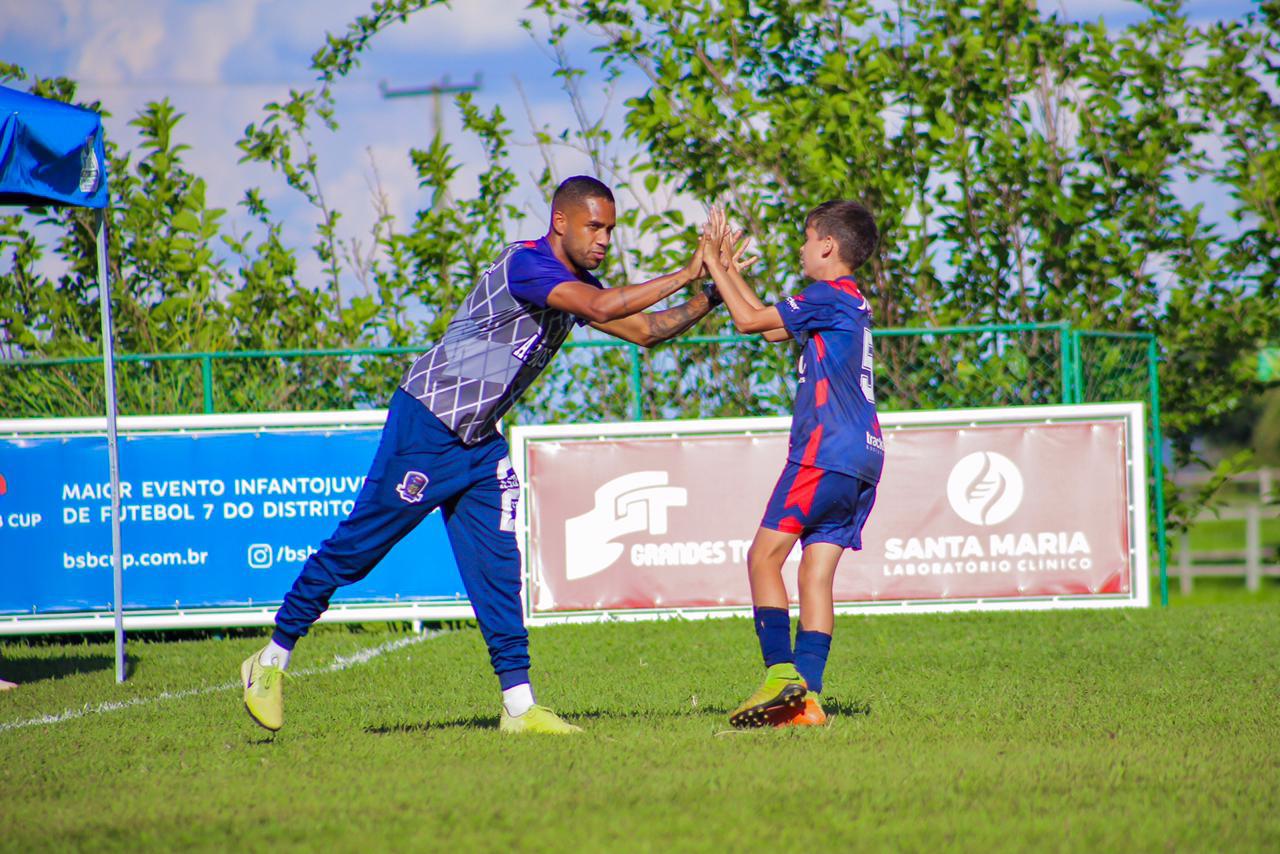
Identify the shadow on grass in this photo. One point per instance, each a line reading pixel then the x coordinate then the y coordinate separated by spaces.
pixel 834 707
pixel 27 670
pixel 847 708
pixel 473 722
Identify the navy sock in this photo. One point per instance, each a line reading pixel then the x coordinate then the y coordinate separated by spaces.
pixel 286 641
pixel 773 628
pixel 512 678
pixel 811 656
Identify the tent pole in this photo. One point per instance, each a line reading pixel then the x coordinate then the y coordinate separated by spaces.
pixel 113 450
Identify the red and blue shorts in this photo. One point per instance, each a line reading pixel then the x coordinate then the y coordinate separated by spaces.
pixel 821 506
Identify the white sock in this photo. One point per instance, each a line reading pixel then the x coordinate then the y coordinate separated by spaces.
pixel 518 699
pixel 275 655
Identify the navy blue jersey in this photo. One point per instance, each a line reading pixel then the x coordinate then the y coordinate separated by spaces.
pixel 835 425
pixel 497 343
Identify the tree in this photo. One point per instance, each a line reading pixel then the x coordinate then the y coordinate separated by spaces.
pixel 1022 168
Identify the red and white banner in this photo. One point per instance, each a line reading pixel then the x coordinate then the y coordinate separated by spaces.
pixel 1028 507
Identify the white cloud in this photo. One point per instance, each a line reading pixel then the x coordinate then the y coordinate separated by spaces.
pixel 468 26
pixel 28 20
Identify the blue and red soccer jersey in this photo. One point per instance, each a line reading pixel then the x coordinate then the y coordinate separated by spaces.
pixel 836 451
pixel 834 426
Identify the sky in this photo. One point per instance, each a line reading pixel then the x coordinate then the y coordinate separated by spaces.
pixel 219 61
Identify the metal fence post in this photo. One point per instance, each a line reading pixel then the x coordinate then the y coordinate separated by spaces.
pixel 1157 466
pixel 636 409
pixel 1077 365
pixel 1064 361
pixel 206 379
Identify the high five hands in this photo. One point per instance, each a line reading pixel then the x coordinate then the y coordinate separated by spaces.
pixel 721 246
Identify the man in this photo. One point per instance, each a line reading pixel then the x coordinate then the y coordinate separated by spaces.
pixel 440 446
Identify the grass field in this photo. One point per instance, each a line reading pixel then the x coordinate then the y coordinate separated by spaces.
pixel 1116 731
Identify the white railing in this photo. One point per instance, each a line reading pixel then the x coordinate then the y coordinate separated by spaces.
pixel 1252 500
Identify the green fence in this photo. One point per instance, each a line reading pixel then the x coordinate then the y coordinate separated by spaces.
pixel 610 380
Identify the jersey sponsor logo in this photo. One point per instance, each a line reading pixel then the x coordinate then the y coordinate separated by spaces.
pixel 625 505
pixel 985 488
pixel 531 352
pixel 412 487
pixel 874 441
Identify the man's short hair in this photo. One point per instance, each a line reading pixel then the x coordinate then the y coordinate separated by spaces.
pixel 576 190
pixel 852 226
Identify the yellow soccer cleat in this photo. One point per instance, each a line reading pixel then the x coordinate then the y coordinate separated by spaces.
pixel 263 692
pixel 538 719
pixel 778 699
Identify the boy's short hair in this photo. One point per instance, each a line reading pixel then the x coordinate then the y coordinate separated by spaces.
pixel 576 190
pixel 852 226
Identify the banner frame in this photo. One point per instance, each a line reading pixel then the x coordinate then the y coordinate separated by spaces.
pixel 1130 413
pixel 415 610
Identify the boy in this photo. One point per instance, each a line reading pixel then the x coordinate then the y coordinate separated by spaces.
pixel 836 453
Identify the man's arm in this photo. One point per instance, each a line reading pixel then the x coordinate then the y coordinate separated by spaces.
pixel 602 305
pixel 650 328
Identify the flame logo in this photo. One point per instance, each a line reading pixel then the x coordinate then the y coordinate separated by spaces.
pixel 985 488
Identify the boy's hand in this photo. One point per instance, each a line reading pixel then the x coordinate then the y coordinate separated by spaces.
pixel 710 249
pixel 732 248
pixel 714 233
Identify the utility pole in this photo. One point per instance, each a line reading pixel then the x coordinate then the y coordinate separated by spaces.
pixel 435 91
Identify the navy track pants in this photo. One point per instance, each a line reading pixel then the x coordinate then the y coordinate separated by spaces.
pixel 420 465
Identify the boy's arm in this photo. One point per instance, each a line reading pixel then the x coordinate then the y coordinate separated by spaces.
pixel 748 315
pixel 727 250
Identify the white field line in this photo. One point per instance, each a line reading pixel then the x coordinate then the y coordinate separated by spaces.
pixel 341 662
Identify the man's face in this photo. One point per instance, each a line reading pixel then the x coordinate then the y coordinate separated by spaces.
pixel 586 230
pixel 811 253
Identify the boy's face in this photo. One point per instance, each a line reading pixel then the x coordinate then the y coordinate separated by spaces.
pixel 813 253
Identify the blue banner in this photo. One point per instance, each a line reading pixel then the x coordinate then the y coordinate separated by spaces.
pixel 209 519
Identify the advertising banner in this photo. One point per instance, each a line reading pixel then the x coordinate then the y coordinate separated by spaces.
pixel 210 519
pixel 1031 507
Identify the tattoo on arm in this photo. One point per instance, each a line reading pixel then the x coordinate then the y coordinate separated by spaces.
pixel 665 325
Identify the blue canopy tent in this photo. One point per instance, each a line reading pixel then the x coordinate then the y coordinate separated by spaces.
pixel 53 154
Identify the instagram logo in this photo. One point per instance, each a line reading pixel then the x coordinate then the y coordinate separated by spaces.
pixel 260 556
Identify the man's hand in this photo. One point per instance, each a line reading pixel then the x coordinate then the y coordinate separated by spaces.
pixel 695 269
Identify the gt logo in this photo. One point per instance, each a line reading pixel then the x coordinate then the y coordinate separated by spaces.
pixel 625 505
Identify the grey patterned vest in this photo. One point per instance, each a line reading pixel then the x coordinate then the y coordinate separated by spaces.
pixel 493 349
